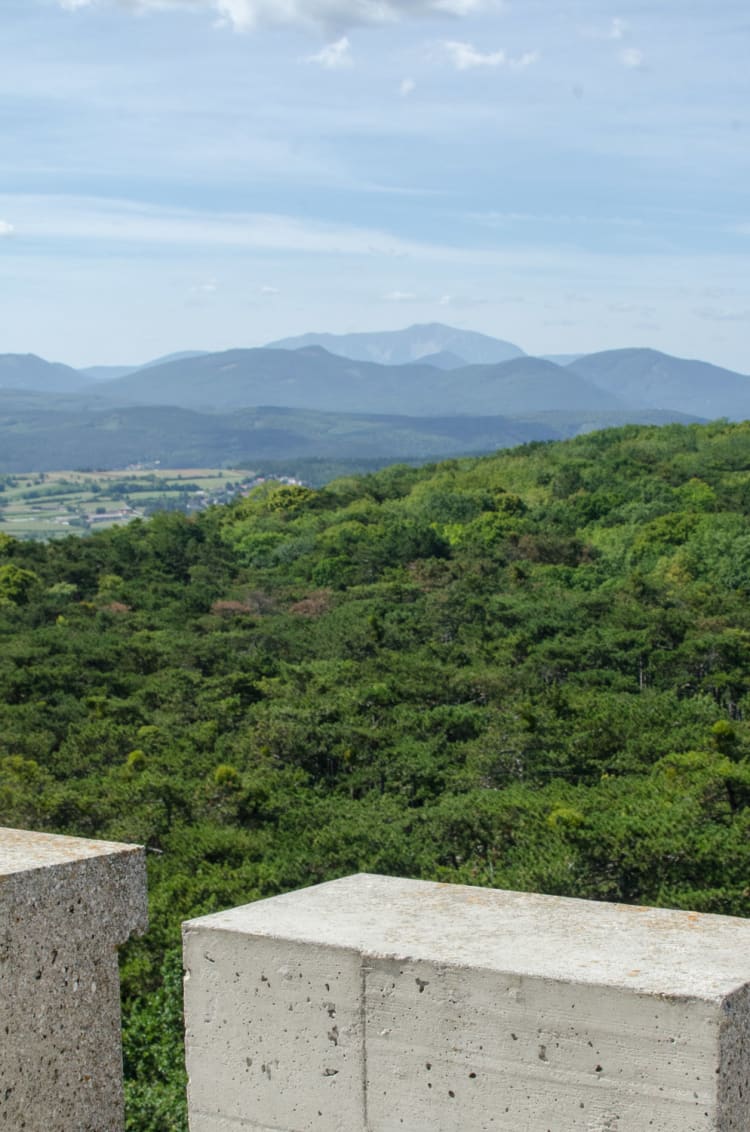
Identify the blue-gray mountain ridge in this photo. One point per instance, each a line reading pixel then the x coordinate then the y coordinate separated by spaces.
pixel 287 401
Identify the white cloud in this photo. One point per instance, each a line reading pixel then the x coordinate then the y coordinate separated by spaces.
pixel 526 60
pixel 202 294
pixel 334 56
pixel 6 229
pixel 461 301
pixel 407 87
pixel 210 287
pixel 507 219
pixel 723 314
pixel 270 291
pixel 108 228
pixel 617 30
pixel 632 57
pixel 399 297
pixel 108 222
pixel 458 7
pixel 466 57
pixel 632 308
pixel 248 14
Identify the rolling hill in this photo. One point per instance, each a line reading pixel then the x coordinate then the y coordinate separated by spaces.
pixel 45 441
pixel 27 371
pixel 75 435
pixel 649 378
pixel 111 373
pixel 445 359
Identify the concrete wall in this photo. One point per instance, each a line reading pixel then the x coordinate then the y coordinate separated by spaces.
pixel 65 905
pixel 379 1005
pixel 372 1004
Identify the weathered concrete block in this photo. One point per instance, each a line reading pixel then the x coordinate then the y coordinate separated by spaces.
pixel 372 1004
pixel 65 905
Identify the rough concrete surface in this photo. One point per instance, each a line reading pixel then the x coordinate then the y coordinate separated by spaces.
pixel 373 1004
pixel 65 906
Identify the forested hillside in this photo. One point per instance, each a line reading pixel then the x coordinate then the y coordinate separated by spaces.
pixel 530 670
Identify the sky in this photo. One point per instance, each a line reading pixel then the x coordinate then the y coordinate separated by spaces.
pixel 570 175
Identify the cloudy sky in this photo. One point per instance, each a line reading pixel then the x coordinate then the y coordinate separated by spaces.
pixel 568 174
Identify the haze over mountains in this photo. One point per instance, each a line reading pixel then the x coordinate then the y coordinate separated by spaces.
pixel 312 378
pixel 424 398
pixel 647 377
pixel 398 347
pixel 109 373
pixel 27 371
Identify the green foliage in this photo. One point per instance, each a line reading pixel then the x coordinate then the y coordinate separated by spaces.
pixel 154 1057
pixel 530 670
pixel 16 584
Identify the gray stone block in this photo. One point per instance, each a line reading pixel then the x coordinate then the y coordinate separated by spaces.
pixel 65 906
pixel 373 1004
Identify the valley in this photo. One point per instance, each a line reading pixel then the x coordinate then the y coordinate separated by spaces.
pixel 52 505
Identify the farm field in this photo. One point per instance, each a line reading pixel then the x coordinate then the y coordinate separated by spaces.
pixel 55 504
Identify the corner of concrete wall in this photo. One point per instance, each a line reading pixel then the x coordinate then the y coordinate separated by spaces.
pixel 734 1062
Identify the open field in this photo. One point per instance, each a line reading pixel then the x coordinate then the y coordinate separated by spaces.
pixel 54 504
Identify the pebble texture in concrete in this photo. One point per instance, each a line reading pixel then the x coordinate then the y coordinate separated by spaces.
pixel 373 1004
pixel 65 906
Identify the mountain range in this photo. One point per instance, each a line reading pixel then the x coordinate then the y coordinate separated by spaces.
pixel 291 400
pixel 313 378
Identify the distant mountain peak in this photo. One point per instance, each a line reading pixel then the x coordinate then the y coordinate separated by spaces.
pixel 412 344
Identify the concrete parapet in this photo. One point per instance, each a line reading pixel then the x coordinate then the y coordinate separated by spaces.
pixel 372 1004
pixel 65 905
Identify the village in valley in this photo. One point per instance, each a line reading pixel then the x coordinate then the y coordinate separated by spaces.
pixel 49 505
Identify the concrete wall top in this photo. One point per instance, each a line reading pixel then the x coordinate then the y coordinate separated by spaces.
pixel 109 880
pixel 648 950
pixel 22 851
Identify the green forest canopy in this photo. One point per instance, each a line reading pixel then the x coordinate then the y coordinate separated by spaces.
pixel 530 670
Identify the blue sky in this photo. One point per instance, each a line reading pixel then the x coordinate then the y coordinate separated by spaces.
pixel 569 175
